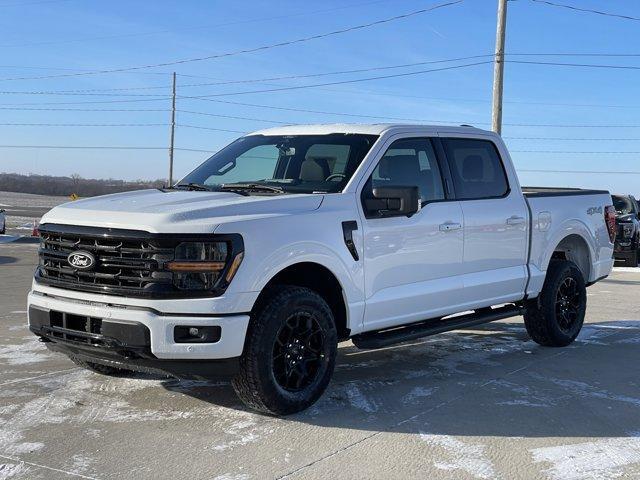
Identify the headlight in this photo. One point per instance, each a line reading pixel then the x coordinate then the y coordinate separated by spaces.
pixel 199 265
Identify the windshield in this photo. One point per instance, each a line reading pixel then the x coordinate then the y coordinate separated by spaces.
pixel 294 163
pixel 623 205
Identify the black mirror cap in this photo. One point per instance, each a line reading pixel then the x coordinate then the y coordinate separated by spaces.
pixel 393 201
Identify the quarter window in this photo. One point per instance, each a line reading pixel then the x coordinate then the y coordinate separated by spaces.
pixel 476 168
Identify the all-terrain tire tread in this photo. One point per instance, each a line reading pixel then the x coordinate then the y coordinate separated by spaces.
pixel 540 312
pixel 246 383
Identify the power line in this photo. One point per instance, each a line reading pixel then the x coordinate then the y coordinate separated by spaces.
pixel 401 119
pixel 587 10
pixel 577 54
pixel 320 112
pixel 234 82
pixel 543 54
pixel 586 65
pixel 75 93
pixel 249 50
pixel 86 109
pixel 340 72
pixel 87 103
pixel 83 147
pixel 268 79
pixel 234 117
pixel 191 28
pixel 298 87
pixel 340 82
pixel 99 147
pixel 84 124
pixel 209 128
pixel 302 110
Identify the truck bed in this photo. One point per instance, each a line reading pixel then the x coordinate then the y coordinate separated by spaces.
pixel 533 192
pixel 558 213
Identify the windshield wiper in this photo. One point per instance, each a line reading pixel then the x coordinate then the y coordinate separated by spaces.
pixel 255 187
pixel 193 186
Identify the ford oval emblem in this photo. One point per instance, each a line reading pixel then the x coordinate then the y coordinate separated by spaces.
pixel 81 260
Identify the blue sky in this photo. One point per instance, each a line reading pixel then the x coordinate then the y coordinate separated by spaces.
pixel 67 36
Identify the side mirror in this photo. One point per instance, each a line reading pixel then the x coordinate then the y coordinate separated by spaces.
pixel 393 202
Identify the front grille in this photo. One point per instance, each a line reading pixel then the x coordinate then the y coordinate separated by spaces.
pixel 127 262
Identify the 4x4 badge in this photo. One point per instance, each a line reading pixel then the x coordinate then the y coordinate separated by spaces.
pixel 81 260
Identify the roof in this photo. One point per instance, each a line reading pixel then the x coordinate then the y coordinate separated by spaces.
pixel 362 128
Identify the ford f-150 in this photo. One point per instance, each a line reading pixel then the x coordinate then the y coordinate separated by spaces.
pixel 290 240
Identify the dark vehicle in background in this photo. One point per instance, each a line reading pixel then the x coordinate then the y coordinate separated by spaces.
pixel 627 246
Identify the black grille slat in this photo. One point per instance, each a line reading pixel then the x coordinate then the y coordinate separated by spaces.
pixel 127 264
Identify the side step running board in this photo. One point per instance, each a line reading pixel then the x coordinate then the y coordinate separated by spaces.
pixel 384 338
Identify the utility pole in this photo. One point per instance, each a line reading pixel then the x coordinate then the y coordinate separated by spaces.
pixel 173 129
pixel 498 68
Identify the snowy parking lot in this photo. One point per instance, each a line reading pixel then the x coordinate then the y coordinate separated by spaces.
pixel 483 403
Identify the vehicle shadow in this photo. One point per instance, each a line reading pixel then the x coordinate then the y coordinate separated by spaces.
pixel 489 381
pixel 4 260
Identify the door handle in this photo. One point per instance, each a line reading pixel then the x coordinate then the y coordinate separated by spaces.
pixel 515 220
pixel 449 226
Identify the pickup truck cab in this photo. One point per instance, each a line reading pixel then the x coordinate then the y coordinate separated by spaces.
pixel 292 239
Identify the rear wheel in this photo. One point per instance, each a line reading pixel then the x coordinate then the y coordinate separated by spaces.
pixel 101 369
pixel 289 353
pixel 555 318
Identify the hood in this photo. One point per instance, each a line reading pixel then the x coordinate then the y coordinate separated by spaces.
pixel 176 211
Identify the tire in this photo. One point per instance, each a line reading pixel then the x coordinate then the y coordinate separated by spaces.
pixel 555 318
pixel 101 369
pixel 631 260
pixel 289 354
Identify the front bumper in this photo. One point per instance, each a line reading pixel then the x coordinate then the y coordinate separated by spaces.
pixel 144 331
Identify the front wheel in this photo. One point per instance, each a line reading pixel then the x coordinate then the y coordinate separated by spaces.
pixel 555 318
pixel 289 353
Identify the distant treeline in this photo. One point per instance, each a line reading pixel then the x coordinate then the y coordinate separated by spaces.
pixel 65 186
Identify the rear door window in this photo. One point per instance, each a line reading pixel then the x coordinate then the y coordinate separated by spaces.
pixel 476 168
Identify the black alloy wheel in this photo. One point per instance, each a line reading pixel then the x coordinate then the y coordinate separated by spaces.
pixel 298 352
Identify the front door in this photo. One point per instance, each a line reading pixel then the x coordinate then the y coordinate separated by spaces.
pixel 412 265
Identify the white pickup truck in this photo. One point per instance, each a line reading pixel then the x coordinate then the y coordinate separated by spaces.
pixel 292 239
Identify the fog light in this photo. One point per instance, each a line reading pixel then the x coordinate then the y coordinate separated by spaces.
pixel 191 334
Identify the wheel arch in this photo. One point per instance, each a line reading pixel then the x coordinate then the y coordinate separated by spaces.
pixel 575 248
pixel 318 278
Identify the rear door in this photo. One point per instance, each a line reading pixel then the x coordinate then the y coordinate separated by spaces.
pixel 412 265
pixel 495 221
